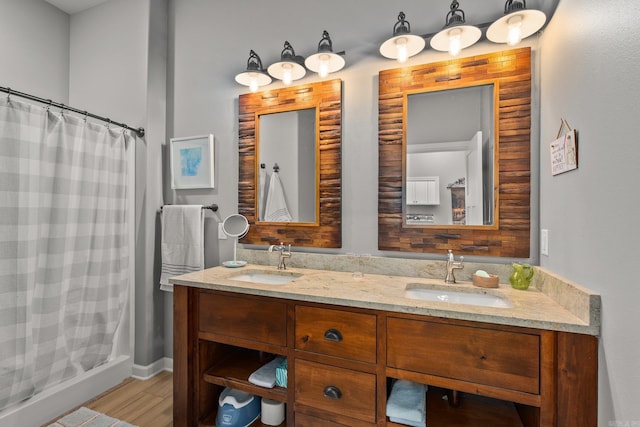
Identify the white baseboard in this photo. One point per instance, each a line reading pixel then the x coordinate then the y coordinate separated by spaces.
pixel 141 372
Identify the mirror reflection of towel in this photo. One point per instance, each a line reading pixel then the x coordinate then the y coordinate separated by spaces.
pixel 276 206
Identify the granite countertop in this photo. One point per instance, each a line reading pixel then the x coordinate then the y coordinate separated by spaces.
pixel 552 304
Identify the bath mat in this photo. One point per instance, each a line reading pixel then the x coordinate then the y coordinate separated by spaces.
pixel 85 417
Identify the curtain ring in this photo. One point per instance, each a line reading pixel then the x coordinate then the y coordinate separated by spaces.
pixel 85 116
pixel 49 102
pixel 108 123
pixel 8 94
pixel 62 110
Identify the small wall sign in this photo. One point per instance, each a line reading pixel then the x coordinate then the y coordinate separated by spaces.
pixel 564 152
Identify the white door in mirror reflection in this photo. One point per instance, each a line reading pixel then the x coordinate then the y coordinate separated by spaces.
pixel 474 192
pixel 287 139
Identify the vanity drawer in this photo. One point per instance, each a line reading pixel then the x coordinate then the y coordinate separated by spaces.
pixel 251 319
pixel 336 333
pixel 504 359
pixel 337 390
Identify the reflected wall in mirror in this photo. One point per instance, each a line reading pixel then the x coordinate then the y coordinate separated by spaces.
pixel 501 231
pixel 318 222
pixel 450 137
pixel 288 174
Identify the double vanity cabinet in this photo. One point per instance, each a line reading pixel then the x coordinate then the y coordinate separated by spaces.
pixel 344 352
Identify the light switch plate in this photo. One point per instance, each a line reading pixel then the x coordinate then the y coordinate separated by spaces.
pixel 544 242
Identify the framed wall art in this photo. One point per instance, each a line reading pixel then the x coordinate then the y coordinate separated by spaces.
pixel 192 162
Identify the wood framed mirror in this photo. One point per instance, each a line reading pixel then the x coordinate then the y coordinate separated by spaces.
pixel 508 234
pixel 325 227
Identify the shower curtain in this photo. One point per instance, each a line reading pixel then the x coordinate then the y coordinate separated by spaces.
pixel 64 254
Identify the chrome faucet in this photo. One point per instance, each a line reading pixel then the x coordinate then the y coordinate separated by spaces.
pixel 452 265
pixel 284 253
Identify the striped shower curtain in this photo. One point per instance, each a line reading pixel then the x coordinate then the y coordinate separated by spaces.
pixel 64 254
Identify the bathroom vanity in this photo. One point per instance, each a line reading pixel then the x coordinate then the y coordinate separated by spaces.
pixel 531 362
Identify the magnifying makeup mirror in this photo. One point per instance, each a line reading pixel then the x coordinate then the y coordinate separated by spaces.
pixel 235 226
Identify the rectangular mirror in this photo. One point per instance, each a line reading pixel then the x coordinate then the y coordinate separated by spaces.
pixel 288 175
pixel 430 205
pixel 450 147
pixel 313 162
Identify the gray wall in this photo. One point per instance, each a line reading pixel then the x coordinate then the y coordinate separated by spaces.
pixel 34 46
pixel 208 49
pixel 590 67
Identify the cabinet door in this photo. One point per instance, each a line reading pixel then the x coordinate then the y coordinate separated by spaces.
pixel 423 191
pixel 491 357
pixel 240 317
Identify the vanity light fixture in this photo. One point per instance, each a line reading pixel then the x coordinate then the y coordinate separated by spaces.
pixel 254 76
pixel 402 45
pixel 289 68
pixel 517 23
pixel 455 35
pixel 325 61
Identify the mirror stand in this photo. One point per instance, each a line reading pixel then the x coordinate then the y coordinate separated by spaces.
pixel 235 226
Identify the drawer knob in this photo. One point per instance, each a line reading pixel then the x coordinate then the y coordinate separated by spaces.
pixel 332 392
pixel 333 335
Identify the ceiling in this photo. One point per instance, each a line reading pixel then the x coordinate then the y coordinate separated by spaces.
pixel 75 6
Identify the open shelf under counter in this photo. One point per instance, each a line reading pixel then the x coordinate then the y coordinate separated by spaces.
pixel 473 411
pixel 234 371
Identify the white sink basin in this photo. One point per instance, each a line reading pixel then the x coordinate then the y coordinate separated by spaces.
pixel 266 277
pixel 481 298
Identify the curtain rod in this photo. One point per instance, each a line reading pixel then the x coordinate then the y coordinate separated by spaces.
pixel 8 90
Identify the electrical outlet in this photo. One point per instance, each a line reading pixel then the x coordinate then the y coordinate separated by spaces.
pixel 544 242
pixel 221 234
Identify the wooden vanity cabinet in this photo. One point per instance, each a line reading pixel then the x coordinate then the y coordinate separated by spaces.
pixel 342 362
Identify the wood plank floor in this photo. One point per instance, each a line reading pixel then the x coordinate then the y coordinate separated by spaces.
pixel 146 403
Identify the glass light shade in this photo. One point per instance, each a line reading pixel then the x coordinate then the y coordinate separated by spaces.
pixel 254 76
pixel 454 39
pixel 324 63
pixel 504 29
pixel 287 71
pixel 402 44
pixel 253 79
pixel 290 66
pixel 402 47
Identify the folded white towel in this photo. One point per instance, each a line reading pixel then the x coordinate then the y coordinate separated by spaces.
pixel 265 376
pixel 408 403
pixel 276 206
pixel 182 247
